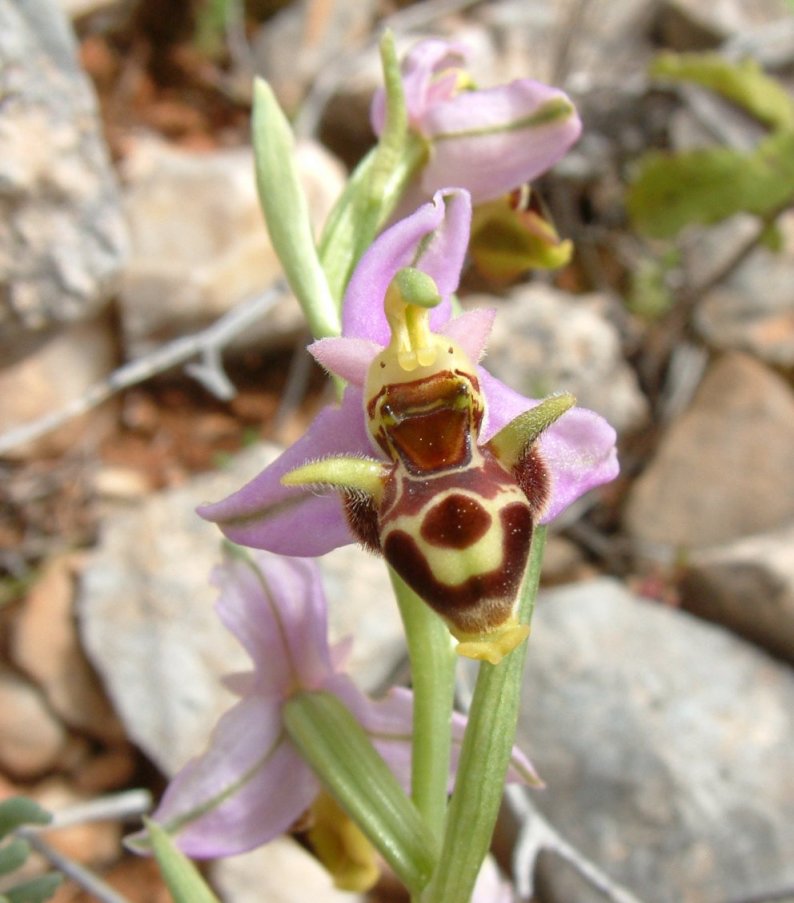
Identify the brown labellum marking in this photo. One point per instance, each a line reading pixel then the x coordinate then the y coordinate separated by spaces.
pixel 482 602
pixel 362 518
pixel 433 441
pixel 532 476
pixel 428 422
pixel 406 495
pixel 456 522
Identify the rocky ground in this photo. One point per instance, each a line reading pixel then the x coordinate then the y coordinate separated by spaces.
pixel 659 703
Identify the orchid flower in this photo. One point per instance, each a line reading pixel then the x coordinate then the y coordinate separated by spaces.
pixel 570 456
pixel 252 784
pixel 487 141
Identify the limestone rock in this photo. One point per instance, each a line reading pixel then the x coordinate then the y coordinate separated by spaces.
pixel 665 745
pixel 545 340
pixel 199 243
pixel 148 624
pixel 749 587
pixel 723 470
pixel 62 233
pixel 279 872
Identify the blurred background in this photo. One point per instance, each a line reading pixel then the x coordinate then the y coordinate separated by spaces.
pixel 150 361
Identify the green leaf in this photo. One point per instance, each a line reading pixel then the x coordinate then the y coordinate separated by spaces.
pixel 19 810
pixel 338 749
pixel 376 185
pixel 649 295
pixel 13 855
pixel 710 184
pixel 36 890
pixel 743 83
pixel 179 873
pixel 287 212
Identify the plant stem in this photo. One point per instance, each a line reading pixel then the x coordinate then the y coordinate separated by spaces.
pixel 484 759
pixel 432 655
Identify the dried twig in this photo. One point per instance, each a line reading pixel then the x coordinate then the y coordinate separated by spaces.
pixel 120 806
pixel 537 835
pixel 208 344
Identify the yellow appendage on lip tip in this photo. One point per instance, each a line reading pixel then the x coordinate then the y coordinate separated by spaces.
pixel 493 647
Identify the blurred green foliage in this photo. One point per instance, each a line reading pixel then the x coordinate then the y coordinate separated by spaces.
pixel 17 812
pixel 710 184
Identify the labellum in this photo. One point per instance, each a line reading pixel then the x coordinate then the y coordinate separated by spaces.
pixel 452 517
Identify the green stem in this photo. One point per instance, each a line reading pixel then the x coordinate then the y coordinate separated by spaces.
pixel 375 187
pixel 484 760
pixel 432 655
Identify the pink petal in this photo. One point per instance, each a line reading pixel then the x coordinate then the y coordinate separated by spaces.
pixel 348 358
pixel 276 608
pixel 581 452
pixel 471 330
pixel 434 239
pixel 494 140
pixel 421 86
pixel 245 790
pixel 579 448
pixel 296 520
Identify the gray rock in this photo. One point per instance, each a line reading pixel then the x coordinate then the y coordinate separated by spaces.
pixel 723 469
pixel 148 625
pixel 690 24
pixel 749 587
pixel 62 234
pixel 753 310
pixel 665 745
pixel 279 872
pixel 199 240
pixel 546 340
pixel 568 38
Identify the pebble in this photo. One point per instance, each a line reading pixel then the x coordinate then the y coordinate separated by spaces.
pixel 48 372
pixel 199 240
pixel 723 469
pixel 31 737
pixel 279 872
pixel 45 645
pixel 748 586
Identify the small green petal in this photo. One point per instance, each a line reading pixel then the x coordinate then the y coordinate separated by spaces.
pixel 510 443
pixel 341 472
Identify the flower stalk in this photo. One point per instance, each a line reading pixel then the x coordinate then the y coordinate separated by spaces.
pixel 484 759
pixel 432 656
